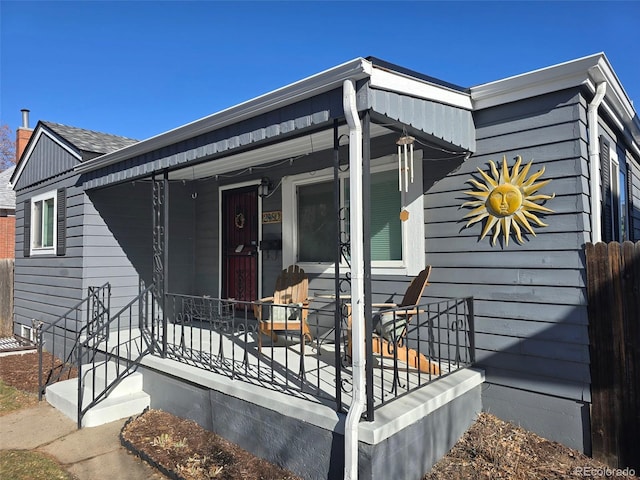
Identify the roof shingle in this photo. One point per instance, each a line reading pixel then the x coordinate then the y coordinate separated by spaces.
pixel 88 140
pixel 7 195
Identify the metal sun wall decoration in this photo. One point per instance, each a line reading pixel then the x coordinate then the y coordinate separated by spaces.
pixel 506 199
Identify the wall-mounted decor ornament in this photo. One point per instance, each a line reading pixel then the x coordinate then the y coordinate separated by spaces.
pixel 506 200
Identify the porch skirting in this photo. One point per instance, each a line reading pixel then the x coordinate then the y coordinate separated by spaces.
pixel 305 436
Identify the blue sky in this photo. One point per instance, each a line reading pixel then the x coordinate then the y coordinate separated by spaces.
pixel 138 69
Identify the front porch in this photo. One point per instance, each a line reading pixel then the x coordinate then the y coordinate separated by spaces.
pixel 221 336
pixel 200 360
pixel 328 175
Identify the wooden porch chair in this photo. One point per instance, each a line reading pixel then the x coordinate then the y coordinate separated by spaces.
pixel 391 330
pixel 287 309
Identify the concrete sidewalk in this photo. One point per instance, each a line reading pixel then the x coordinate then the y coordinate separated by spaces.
pixel 92 453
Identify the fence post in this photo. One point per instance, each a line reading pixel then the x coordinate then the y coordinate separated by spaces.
pixel 6 297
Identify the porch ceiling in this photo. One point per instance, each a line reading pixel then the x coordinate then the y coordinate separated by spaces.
pixel 295 147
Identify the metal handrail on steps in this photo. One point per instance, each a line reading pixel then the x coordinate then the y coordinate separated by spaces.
pixel 65 332
pixel 98 346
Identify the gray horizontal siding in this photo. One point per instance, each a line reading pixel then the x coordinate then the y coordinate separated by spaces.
pixel 529 373
pixel 117 240
pixel 541 330
pixel 182 234
pixel 513 276
pixel 46 286
pixel 530 300
pixel 206 242
pixel 440 225
pixel 509 259
pixel 534 312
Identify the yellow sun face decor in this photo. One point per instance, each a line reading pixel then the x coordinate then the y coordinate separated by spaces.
pixel 506 200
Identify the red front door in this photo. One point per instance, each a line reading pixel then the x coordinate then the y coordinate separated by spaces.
pixel 240 244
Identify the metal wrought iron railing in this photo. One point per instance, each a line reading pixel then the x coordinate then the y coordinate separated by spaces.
pixel 410 346
pixel 110 349
pixel 222 336
pixel 414 346
pixel 60 337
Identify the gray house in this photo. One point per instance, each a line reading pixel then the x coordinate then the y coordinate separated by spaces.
pixel 361 175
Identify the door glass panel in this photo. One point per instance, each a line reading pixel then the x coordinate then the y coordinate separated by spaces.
pixel 316 223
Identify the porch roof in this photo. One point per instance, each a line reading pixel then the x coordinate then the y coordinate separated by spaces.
pixel 295 120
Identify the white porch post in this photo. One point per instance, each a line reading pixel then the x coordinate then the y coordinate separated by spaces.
pixel 357 280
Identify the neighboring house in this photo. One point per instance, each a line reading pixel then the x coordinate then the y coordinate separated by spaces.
pixel 7 215
pixel 182 210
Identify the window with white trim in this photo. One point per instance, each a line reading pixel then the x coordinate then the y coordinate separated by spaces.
pixel 28 332
pixel 310 227
pixel 43 223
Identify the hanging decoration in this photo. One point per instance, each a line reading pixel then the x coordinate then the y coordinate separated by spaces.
pixel 405 162
pixel 405 169
pixel 506 200
pixel 239 220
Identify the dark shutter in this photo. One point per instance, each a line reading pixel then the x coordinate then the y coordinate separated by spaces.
pixel 605 169
pixel 61 222
pixel 629 190
pixel 26 237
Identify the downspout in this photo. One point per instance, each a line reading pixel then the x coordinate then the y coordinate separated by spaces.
pixel 594 163
pixel 357 281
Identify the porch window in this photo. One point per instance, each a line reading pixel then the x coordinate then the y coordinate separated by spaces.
pixel 316 220
pixel 316 223
pixel 43 222
pixel 310 228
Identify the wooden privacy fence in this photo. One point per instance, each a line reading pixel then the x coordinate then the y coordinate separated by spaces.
pixel 6 297
pixel 613 288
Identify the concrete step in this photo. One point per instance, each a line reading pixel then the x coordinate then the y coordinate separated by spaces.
pixel 124 400
pixel 103 375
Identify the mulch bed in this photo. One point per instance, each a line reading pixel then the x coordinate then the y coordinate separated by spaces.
pixel 181 449
pixel 20 370
pixel 495 449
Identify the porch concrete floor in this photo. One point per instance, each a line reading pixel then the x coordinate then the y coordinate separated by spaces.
pixel 271 379
pixel 278 367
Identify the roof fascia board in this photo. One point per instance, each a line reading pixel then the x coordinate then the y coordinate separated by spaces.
pixel 588 71
pixel 530 84
pixel 40 130
pixel 616 103
pixel 356 69
pixel 604 72
pixel 400 83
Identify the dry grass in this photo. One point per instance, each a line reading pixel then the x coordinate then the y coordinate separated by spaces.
pixel 27 465
pixel 12 399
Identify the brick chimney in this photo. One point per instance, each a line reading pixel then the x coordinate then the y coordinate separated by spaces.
pixel 23 134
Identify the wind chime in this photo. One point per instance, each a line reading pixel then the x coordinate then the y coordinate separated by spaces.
pixel 405 170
